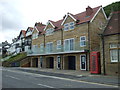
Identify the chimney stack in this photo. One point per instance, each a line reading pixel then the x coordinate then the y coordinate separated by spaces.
pixel 38 24
pixel 89 11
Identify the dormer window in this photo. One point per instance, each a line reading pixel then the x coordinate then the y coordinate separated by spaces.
pixel 49 31
pixel 69 26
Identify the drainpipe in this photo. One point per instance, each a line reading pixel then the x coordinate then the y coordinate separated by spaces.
pixel 62 49
pixel 89 42
pixel 103 51
pixel 44 44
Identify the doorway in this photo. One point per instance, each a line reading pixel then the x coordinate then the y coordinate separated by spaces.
pixel 83 62
pixel 50 62
pixel 35 62
pixel 58 62
pixel 70 62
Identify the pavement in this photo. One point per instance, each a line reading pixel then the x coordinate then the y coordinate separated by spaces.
pixel 74 74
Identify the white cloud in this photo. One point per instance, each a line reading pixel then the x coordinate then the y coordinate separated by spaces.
pixel 19 14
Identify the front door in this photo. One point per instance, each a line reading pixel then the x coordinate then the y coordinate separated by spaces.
pixel 71 63
pixel 58 62
pixel 83 62
pixel 51 62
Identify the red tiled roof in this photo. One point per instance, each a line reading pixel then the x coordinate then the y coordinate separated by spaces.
pixel 113 26
pixel 81 17
pixel 40 28
pixel 23 32
pixel 57 24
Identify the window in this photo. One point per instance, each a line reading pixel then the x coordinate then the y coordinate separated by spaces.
pixel 69 26
pixel 114 52
pixel 82 41
pixel 66 27
pixel 114 55
pixel 49 31
pixel 49 47
pixel 69 44
pixel 59 44
pixel 66 45
pixel 42 47
pixel 113 45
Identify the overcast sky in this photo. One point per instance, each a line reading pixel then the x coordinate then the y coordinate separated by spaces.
pixel 17 15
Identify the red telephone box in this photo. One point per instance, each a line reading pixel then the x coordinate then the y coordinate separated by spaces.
pixel 95 62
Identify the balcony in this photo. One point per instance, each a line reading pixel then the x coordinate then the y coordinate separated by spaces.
pixel 27 43
pixel 61 49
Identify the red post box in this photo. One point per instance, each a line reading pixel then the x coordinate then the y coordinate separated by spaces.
pixel 95 62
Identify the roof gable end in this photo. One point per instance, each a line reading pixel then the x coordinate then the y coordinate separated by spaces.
pixel 49 22
pixel 68 14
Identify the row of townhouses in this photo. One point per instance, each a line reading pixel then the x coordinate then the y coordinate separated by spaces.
pixel 87 41
pixel 22 43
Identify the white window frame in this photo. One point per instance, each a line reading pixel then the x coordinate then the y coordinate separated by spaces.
pixel 111 56
pixel 68 27
pixel 69 44
pixel 71 26
pixel 113 45
pixel 49 31
pixel 57 61
pixel 58 44
pixel 82 41
pixel 85 62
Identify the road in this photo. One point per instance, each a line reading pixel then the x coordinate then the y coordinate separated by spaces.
pixel 18 79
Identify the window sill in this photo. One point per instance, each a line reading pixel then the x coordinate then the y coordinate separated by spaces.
pixel 113 63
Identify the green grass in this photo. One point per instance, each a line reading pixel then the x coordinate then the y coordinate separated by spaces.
pixel 16 57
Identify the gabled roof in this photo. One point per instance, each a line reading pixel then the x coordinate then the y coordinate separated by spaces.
pixel 29 28
pixel 84 16
pixel 113 26
pixel 56 25
pixel 40 28
pixel 22 32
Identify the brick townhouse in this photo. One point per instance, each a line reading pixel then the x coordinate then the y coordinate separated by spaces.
pixel 67 43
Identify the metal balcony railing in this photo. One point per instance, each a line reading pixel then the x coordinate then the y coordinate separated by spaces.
pixel 76 47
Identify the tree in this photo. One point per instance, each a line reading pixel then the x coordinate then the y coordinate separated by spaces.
pixel 112 8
